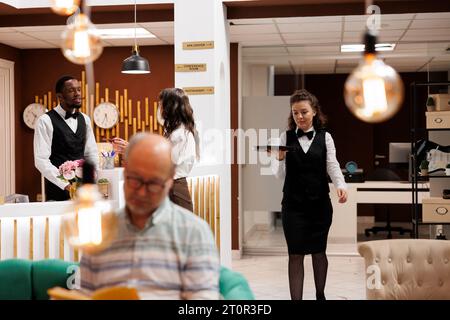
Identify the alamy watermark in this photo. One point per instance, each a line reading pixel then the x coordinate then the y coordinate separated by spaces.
pixel 373 280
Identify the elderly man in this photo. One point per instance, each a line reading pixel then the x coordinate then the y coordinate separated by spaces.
pixel 162 250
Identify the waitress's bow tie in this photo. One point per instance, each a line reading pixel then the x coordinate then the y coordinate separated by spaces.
pixel 309 134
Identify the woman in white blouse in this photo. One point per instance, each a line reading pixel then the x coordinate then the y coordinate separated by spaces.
pixel 306 205
pixel 176 116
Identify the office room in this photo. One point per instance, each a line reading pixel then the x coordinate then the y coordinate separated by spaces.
pixel 258 76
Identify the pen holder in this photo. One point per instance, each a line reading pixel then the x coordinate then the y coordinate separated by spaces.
pixel 108 163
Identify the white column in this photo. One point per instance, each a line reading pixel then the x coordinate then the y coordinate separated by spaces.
pixel 205 20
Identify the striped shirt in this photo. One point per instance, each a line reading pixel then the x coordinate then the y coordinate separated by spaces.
pixel 173 257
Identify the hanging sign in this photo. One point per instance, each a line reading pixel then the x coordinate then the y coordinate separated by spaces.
pixel 198 45
pixel 198 90
pixel 193 67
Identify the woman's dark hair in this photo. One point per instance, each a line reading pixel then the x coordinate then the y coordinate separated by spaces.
pixel 319 120
pixel 176 110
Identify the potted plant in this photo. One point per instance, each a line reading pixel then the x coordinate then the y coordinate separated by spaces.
pixel 447 169
pixel 103 187
pixel 424 167
pixel 431 106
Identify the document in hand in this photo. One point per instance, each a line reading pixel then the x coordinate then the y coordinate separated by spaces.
pixel 109 293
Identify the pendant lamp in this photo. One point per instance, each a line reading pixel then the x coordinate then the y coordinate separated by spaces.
pixel 135 64
pixel 373 92
pixel 65 7
pixel 80 42
pixel 90 224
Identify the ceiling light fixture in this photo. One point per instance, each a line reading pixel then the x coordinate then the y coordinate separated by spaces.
pixel 135 64
pixel 373 92
pixel 91 224
pixel 65 7
pixel 360 47
pixel 124 33
pixel 80 42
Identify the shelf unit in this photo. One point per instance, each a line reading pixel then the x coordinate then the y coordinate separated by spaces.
pixel 415 129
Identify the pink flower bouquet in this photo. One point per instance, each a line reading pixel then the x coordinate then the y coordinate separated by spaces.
pixel 71 171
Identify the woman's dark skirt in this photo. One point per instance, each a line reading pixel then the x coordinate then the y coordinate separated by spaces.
pixel 179 194
pixel 306 226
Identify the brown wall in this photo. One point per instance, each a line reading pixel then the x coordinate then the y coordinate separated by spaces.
pixel 42 67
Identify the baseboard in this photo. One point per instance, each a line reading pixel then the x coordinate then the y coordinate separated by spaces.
pixel 236 254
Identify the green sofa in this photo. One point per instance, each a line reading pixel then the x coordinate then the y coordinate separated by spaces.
pixel 29 280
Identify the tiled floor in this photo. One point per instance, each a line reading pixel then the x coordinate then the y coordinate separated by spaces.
pixel 265 263
pixel 267 276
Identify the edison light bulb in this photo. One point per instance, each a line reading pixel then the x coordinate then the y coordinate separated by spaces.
pixel 65 7
pixel 80 42
pixel 374 91
pixel 92 224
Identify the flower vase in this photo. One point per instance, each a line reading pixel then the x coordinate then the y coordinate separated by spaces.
pixel 73 190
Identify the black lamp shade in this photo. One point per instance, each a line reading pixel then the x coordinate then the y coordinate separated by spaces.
pixel 135 64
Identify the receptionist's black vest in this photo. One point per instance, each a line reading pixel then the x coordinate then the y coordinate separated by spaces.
pixel 66 145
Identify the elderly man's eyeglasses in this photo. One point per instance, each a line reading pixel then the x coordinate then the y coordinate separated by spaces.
pixel 151 185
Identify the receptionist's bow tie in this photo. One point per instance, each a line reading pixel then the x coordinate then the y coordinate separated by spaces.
pixel 71 115
pixel 309 134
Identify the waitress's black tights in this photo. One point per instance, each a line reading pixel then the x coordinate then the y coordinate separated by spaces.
pixel 297 273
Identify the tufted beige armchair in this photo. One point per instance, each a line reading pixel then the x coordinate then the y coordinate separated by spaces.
pixel 405 269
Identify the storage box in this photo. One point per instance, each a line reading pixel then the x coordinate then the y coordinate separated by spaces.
pixel 438 120
pixel 442 101
pixel 435 210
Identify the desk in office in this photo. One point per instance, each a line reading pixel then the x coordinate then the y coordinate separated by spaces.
pixel 388 192
pixel 344 227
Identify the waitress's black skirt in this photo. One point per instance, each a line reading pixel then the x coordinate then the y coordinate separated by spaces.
pixel 306 226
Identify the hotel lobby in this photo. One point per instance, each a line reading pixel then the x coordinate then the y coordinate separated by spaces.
pixel 239 62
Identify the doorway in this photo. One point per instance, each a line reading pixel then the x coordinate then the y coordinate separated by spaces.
pixel 7 150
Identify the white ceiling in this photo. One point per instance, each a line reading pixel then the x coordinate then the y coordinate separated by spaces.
pixel 312 44
pixel 295 45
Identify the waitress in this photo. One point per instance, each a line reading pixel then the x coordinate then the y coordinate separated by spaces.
pixel 306 205
pixel 176 116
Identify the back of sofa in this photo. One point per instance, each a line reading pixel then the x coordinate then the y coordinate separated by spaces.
pixel 15 279
pixel 22 279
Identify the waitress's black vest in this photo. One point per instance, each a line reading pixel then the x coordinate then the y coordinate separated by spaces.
pixel 306 173
pixel 66 145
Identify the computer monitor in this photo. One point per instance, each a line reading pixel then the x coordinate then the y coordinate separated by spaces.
pixel 399 152
pixel 399 159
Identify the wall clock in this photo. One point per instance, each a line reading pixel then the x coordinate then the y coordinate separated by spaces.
pixel 32 112
pixel 106 115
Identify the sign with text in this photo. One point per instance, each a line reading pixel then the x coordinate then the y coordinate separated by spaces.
pixel 192 67
pixel 198 45
pixel 198 90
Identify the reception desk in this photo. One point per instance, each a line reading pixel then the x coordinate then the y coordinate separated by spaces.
pixel 33 230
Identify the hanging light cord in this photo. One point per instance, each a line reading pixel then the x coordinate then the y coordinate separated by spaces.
pixel 135 26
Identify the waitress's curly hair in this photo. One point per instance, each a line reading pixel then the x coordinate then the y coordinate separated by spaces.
pixel 319 120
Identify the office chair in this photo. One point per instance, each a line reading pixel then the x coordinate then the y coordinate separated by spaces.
pixel 385 174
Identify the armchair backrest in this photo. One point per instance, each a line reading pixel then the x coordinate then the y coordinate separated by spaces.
pixel 404 269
